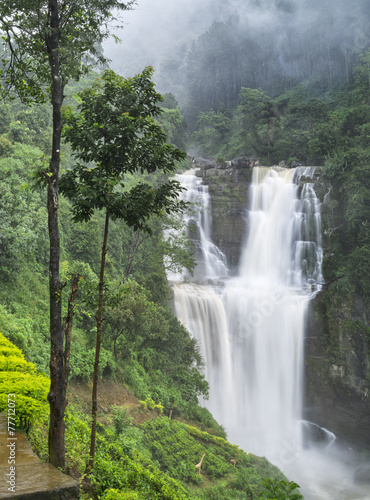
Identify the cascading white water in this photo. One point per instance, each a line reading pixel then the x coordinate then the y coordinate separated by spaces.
pixel 212 263
pixel 251 328
pixel 251 331
pixel 266 312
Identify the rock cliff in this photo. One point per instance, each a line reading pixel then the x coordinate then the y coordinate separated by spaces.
pixel 337 341
pixel 228 186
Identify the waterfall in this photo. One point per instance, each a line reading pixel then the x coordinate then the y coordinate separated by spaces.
pixel 251 326
pixel 251 329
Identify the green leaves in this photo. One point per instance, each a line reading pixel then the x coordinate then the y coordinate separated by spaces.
pixel 27 34
pixel 280 490
pixel 23 225
pixel 113 133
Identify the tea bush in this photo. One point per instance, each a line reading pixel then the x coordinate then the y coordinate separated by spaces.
pixel 19 377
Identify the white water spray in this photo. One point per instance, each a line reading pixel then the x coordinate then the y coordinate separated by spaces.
pixel 251 329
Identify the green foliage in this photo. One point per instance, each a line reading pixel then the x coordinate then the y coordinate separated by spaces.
pixel 153 352
pixel 120 469
pixel 18 330
pixel 19 377
pixel 134 321
pixel 233 54
pixel 114 494
pixel 361 75
pixel 24 312
pixel 33 386
pixel 306 121
pixel 352 188
pixel 111 106
pixel 78 430
pixel 172 445
pixel 27 326
pixel 121 419
pixel 82 362
pixel 336 165
pixel 28 36
pixel 130 463
pixel 10 351
pixel 150 404
pixel 211 130
pixel 173 125
pixel 177 447
pixel 23 224
pixel 205 419
pixel 281 490
pixel 114 470
pixel 15 363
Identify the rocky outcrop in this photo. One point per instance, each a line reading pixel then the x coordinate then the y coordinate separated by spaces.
pixel 337 343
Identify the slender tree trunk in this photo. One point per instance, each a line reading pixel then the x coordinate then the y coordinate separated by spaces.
pixel 56 394
pixel 68 334
pixel 99 321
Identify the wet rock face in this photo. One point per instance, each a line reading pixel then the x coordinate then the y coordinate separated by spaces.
pixel 337 368
pixel 337 352
pixel 228 185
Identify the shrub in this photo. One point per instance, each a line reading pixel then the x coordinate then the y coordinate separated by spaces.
pixel 16 363
pixel 121 419
pixel 114 470
pixel 150 404
pixel 280 490
pixel 10 351
pixel 113 494
pixel 178 447
pixel 19 377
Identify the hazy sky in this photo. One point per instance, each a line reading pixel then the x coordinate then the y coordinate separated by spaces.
pixel 156 27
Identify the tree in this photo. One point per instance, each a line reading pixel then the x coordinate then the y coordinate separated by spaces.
pixel 48 42
pixel 112 134
pixel 166 248
pixel 133 320
pixel 259 118
pixel 212 129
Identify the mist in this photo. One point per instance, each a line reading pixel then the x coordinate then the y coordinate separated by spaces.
pixel 160 33
pixel 156 29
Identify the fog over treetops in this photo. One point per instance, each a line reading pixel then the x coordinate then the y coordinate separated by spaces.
pixel 159 32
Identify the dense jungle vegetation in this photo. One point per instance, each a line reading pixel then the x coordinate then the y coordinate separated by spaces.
pixel 144 346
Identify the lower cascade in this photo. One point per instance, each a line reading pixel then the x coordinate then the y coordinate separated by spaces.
pixel 251 327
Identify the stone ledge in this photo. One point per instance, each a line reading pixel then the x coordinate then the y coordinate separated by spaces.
pixel 39 481
pixel 34 480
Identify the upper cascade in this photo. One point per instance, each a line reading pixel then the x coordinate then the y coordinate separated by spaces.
pixel 284 237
